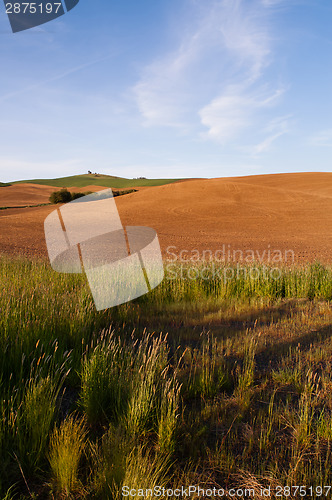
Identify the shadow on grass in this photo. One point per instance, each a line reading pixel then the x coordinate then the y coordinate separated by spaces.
pixel 192 330
pixel 269 358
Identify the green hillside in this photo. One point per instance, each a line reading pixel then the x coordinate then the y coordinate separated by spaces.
pixel 97 180
pixel 3 184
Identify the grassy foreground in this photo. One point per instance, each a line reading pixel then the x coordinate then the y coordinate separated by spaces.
pixel 208 382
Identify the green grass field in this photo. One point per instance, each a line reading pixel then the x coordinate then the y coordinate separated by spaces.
pixel 209 382
pixel 98 180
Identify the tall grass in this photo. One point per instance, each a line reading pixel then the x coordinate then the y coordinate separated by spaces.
pixel 207 375
pixel 67 445
pixel 33 421
pixel 104 381
pixel 38 303
pixel 92 401
pixel 149 363
pixel 207 280
pixel 143 472
pixel 247 373
pixel 168 415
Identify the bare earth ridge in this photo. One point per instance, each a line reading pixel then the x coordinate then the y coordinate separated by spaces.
pixel 257 213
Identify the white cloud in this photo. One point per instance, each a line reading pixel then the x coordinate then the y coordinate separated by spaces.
pixel 276 128
pixel 43 83
pixel 229 41
pixel 265 145
pixel 322 138
pixel 245 35
pixel 216 78
pixel 231 112
pixel 278 3
pixel 163 90
pixel 226 115
pixel 272 3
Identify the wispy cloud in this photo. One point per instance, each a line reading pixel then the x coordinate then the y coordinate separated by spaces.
pixel 228 40
pixel 216 76
pixel 322 138
pixel 275 129
pixel 237 105
pixel 265 145
pixel 226 114
pixel 54 78
pixel 272 3
pixel 279 4
pixel 165 87
pixel 232 111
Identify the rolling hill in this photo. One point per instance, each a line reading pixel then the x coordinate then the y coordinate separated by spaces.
pixel 98 180
pixel 281 212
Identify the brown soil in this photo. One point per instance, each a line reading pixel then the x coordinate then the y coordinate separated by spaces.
pixel 258 213
pixel 21 195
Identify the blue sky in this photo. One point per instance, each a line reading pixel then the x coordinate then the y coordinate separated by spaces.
pixel 172 88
